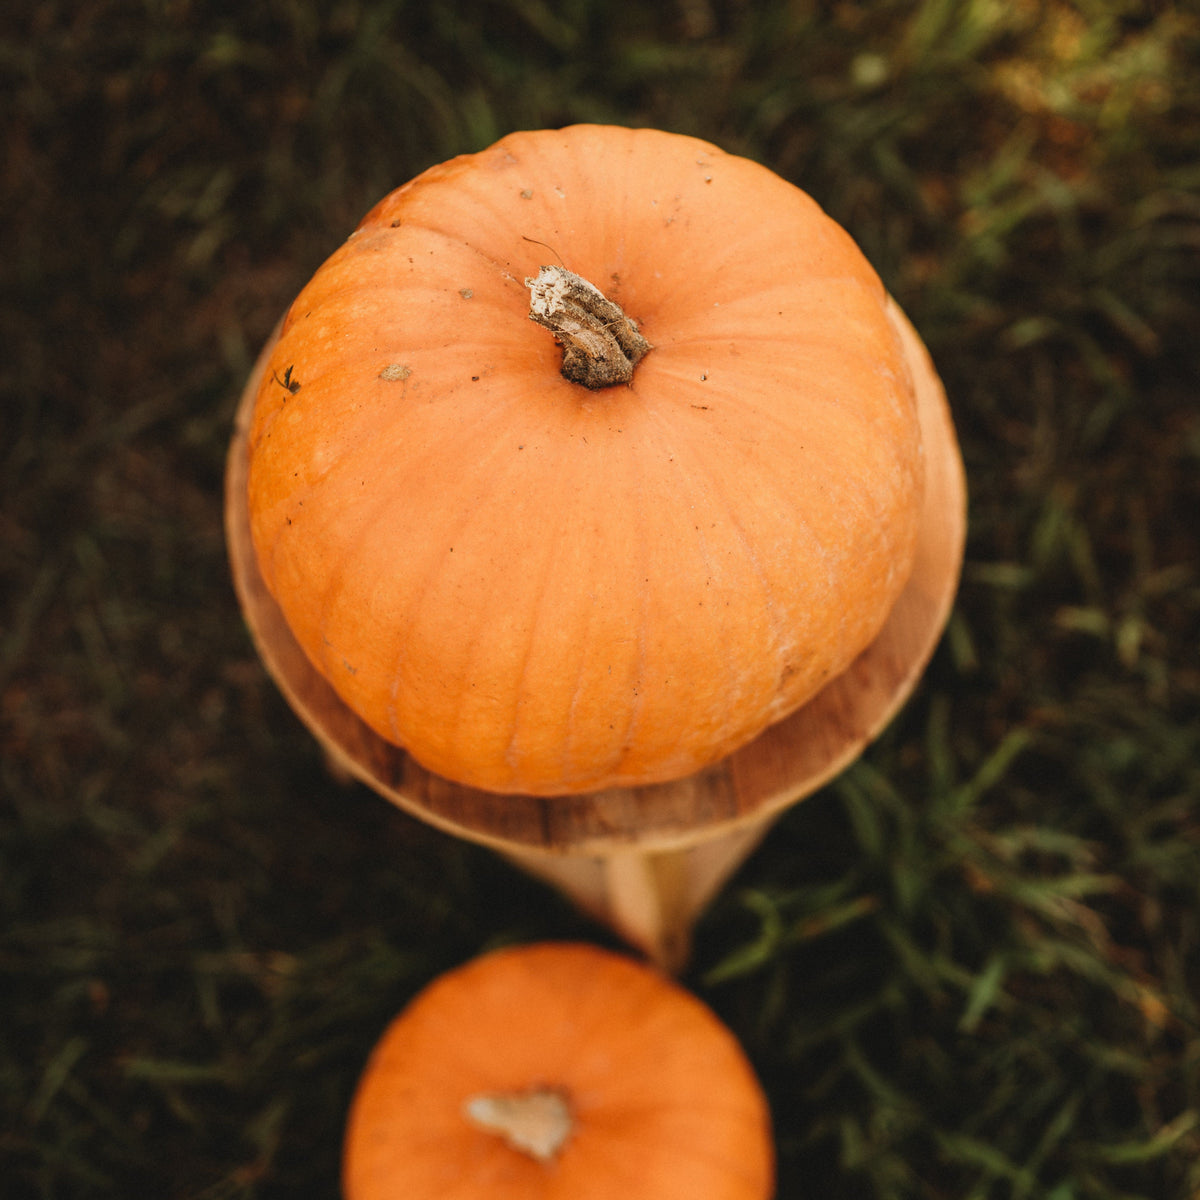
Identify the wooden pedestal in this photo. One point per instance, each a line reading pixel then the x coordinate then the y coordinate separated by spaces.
pixel 646 860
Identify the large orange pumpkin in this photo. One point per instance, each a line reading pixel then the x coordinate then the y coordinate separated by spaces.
pixel 544 582
pixel 557 1070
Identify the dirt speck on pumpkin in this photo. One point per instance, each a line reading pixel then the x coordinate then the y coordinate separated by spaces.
pixel 292 385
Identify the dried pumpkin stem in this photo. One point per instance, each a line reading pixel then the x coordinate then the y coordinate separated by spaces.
pixel 536 1122
pixel 601 345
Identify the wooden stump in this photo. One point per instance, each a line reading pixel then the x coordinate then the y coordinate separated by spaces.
pixel 646 860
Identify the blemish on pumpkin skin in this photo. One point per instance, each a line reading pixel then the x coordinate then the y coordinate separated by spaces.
pixel 395 372
pixel 292 385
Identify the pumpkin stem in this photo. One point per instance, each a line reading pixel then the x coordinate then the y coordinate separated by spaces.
pixel 537 1122
pixel 601 345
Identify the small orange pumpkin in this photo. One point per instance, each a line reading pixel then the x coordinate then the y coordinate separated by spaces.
pixel 558 1070
pixel 607 551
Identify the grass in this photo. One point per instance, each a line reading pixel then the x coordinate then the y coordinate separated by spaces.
pixel 967 970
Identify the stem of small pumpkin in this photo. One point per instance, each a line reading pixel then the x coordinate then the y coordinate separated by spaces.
pixel 601 345
pixel 536 1122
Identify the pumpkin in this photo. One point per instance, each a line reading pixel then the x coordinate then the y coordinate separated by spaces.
pixel 585 459
pixel 557 1070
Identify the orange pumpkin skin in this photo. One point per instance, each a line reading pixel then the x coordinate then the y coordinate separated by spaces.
pixel 534 587
pixel 664 1104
